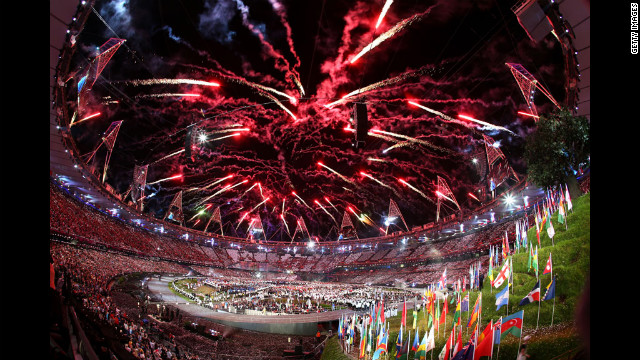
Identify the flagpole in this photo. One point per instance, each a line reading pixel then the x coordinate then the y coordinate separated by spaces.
pixel 520 339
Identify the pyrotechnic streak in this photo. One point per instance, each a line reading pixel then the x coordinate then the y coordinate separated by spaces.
pixel 337 173
pixel 86 118
pixel 297 81
pixel 226 188
pixel 414 189
pixel 484 123
pixel 376 159
pixel 380 182
pixel 212 183
pixel 374 86
pixel 246 191
pixel 229 130
pixel 250 211
pixel 400 144
pixel 172 81
pixel 196 223
pixel 168 156
pixel 166 95
pixel 285 223
pixel 386 35
pixel 226 136
pixel 165 179
pixel 304 202
pixel 414 140
pixel 260 187
pixel 263 201
pixel 349 128
pixel 325 210
pixel 385 8
pixel 527 114
pixel 283 205
pixel 444 196
pixel 470 194
pixel 333 206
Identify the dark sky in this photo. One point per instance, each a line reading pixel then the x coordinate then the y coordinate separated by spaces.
pixel 446 55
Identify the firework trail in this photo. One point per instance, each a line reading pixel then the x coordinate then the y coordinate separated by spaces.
pixel 325 210
pixel 385 8
pixel 390 33
pixel 250 211
pixel 471 195
pixel 172 82
pixel 226 136
pixel 390 81
pixel 246 191
pixel 285 224
pixel 304 202
pixel 380 182
pixel 86 118
pixel 398 145
pixel 337 173
pixel 165 95
pixel 229 130
pixel 491 126
pixel 280 11
pixel 376 159
pixel 414 140
pixel 369 133
pixel 416 190
pixel 333 206
pixel 226 188
pixel 165 179
pixel 449 118
pixel 211 184
pixel 444 196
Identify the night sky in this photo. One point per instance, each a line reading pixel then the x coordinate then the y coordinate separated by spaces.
pixel 446 55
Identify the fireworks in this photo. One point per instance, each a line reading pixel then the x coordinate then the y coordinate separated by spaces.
pixel 226 136
pixel 325 210
pixel 413 140
pixel 337 173
pixel 165 179
pixel 226 188
pixel 333 206
pixel 380 182
pixel 172 82
pixel 472 196
pixel 386 35
pixel 212 183
pixel 385 8
pixel 414 189
pixel 439 194
pixel 491 126
pixel 166 95
pixel 304 202
pixel 86 118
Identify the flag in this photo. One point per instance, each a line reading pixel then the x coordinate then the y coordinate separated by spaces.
pixel 496 331
pixel 534 295
pixel 430 342
pixel 363 344
pixel 404 350
pixel 476 311
pixel 490 271
pixel 568 198
pixel 382 344
pixel 427 339
pixel 502 275
pixel 404 313
pixel 485 342
pixel 505 246
pixel 512 324
pixel 443 280
pixel 457 314
pixel 458 345
pixel 340 328
pixel 548 269
pixel 535 261
pixel 464 284
pixel 551 290
pixel 561 213
pixel 414 346
pixel 399 342
pixel 415 318
pixel 502 298
pixel 529 264
pixel 550 231
pixel 444 354
pixel 464 306
pixel 382 311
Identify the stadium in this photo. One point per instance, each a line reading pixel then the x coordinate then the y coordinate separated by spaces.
pixel 319 180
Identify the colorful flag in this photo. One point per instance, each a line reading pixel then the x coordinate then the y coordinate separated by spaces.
pixel 529 264
pixel 551 290
pixel 414 346
pixel 404 351
pixel 497 327
pixel 404 313
pixel 502 298
pixel 535 261
pixel 363 344
pixel 476 311
pixel 512 324
pixel 561 213
pixel 464 284
pixel 382 344
pixel 548 268
pixel 485 343
pixel 444 354
pixel 464 306
pixel 399 342
pixel 568 198
pixel 534 295
pixel 421 353
pixel 550 231
pixel 490 271
pixel 442 283
pixel 502 275
pixel 458 345
pixel 457 314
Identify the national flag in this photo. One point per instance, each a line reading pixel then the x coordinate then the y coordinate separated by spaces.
pixel 568 198
pixel 505 246
pixel 561 213
pixel 548 269
pixel 382 344
pixel 534 295
pixel 485 343
pixel 464 284
pixel 551 290
pixel 444 354
pixel 340 327
pixel 382 311
pixel 529 264
pixel 443 317
pixel 464 306
pixel 537 226
pixel 399 342
pixel 404 351
pixel 502 275
pixel 427 339
pixel 512 324
pixel 414 346
pixel 363 344
pixel 442 283
pixel 476 311
pixel 458 345
pixel 415 318
pixel 502 298
pixel 550 230
pixel 430 342
pixel 535 261
pixel 404 313
pixel 496 331
pixel 490 271
pixel 458 313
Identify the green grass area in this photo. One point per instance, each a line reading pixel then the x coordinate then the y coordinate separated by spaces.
pixel 571 262
pixel 333 351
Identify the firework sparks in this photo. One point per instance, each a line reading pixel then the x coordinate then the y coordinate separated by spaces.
pixel 416 190
pixel 172 82
pixel 439 194
pixel 376 159
pixel 388 34
pixel 304 202
pixel 86 118
pixel 414 140
pixel 325 210
pixel 333 206
pixel 491 126
pixel 385 8
pixel 337 173
pixel 472 196
pixel 211 184
pixel 165 179
pixel 226 136
pixel 226 188
pixel 166 95
pixel 380 182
